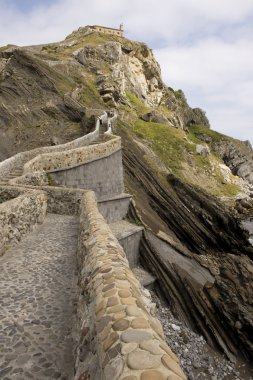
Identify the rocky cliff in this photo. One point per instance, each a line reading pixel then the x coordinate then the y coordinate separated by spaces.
pixel 178 170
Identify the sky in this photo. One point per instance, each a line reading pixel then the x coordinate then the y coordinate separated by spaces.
pixel 204 47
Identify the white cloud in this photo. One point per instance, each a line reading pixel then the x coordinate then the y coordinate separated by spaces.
pixel 217 76
pixel 204 47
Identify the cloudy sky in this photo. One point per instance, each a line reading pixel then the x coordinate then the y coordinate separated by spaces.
pixel 204 47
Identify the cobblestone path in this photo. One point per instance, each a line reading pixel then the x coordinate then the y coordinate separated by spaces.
pixel 38 291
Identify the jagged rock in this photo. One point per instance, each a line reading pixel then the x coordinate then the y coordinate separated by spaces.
pixel 199 117
pixel 203 150
pixel 238 157
pixel 155 117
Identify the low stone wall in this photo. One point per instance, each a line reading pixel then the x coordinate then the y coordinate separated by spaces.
pixel 11 163
pixel 9 192
pixel 50 162
pixel 119 338
pixel 18 216
pixel 63 201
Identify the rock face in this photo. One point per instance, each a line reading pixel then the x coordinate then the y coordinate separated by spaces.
pixel 212 294
pixel 239 159
pixel 155 117
pixel 237 155
pixel 133 68
pixel 32 107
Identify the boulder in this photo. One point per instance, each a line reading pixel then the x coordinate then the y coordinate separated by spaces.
pixel 202 150
pixel 155 117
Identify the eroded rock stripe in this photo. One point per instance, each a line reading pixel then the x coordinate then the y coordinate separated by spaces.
pixel 120 339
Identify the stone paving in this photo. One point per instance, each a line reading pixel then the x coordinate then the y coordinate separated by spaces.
pixel 38 294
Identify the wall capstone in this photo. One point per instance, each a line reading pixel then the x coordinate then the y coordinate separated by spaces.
pixel 59 160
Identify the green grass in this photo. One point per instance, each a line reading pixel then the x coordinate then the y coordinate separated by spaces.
pixel 136 103
pixel 90 94
pixel 177 153
pixel 196 131
pixel 167 142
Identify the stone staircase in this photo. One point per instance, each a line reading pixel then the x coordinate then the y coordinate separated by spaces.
pixel 129 236
pixel 17 172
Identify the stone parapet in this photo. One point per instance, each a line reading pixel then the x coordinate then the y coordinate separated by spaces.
pixel 19 215
pixel 50 162
pixel 119 337
pixel 11 163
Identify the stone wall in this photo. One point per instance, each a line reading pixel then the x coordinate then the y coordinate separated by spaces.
pixel 119 338
pixel 8 192
pixel 50 162
pixel 103 175
pixel 11 163
pixel 18 216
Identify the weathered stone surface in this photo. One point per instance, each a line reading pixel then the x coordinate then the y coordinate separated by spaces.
pixel 110 340
pixel 108 287
pixel 155 117
pixel 112 301
pixel 134 311
pixel 110 293
pixel 104 322
pixel 116 309
pixel 172 365
pixel 152 346
pixel 143 360
pixel 140 323
pixel 202 150
pixel 100 306
pixel 114 369
pixel 169 352
pixel 128 301
pixel 152 375
pixel 136 336
pixel 124 293
pixel 121 325
pixel 172 376
pixel 120 315
pixel 128 347
pixel 20 215
pixel 105 332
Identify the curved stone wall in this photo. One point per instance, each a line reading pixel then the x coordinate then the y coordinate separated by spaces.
pixel 66 159
pixel 119 338
pixel 11 163
pixel 19 215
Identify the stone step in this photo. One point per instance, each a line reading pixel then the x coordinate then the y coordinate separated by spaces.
pixel 115 208
pixel 129 236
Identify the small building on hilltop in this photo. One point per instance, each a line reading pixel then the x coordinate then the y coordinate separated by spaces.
pixel 105 29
